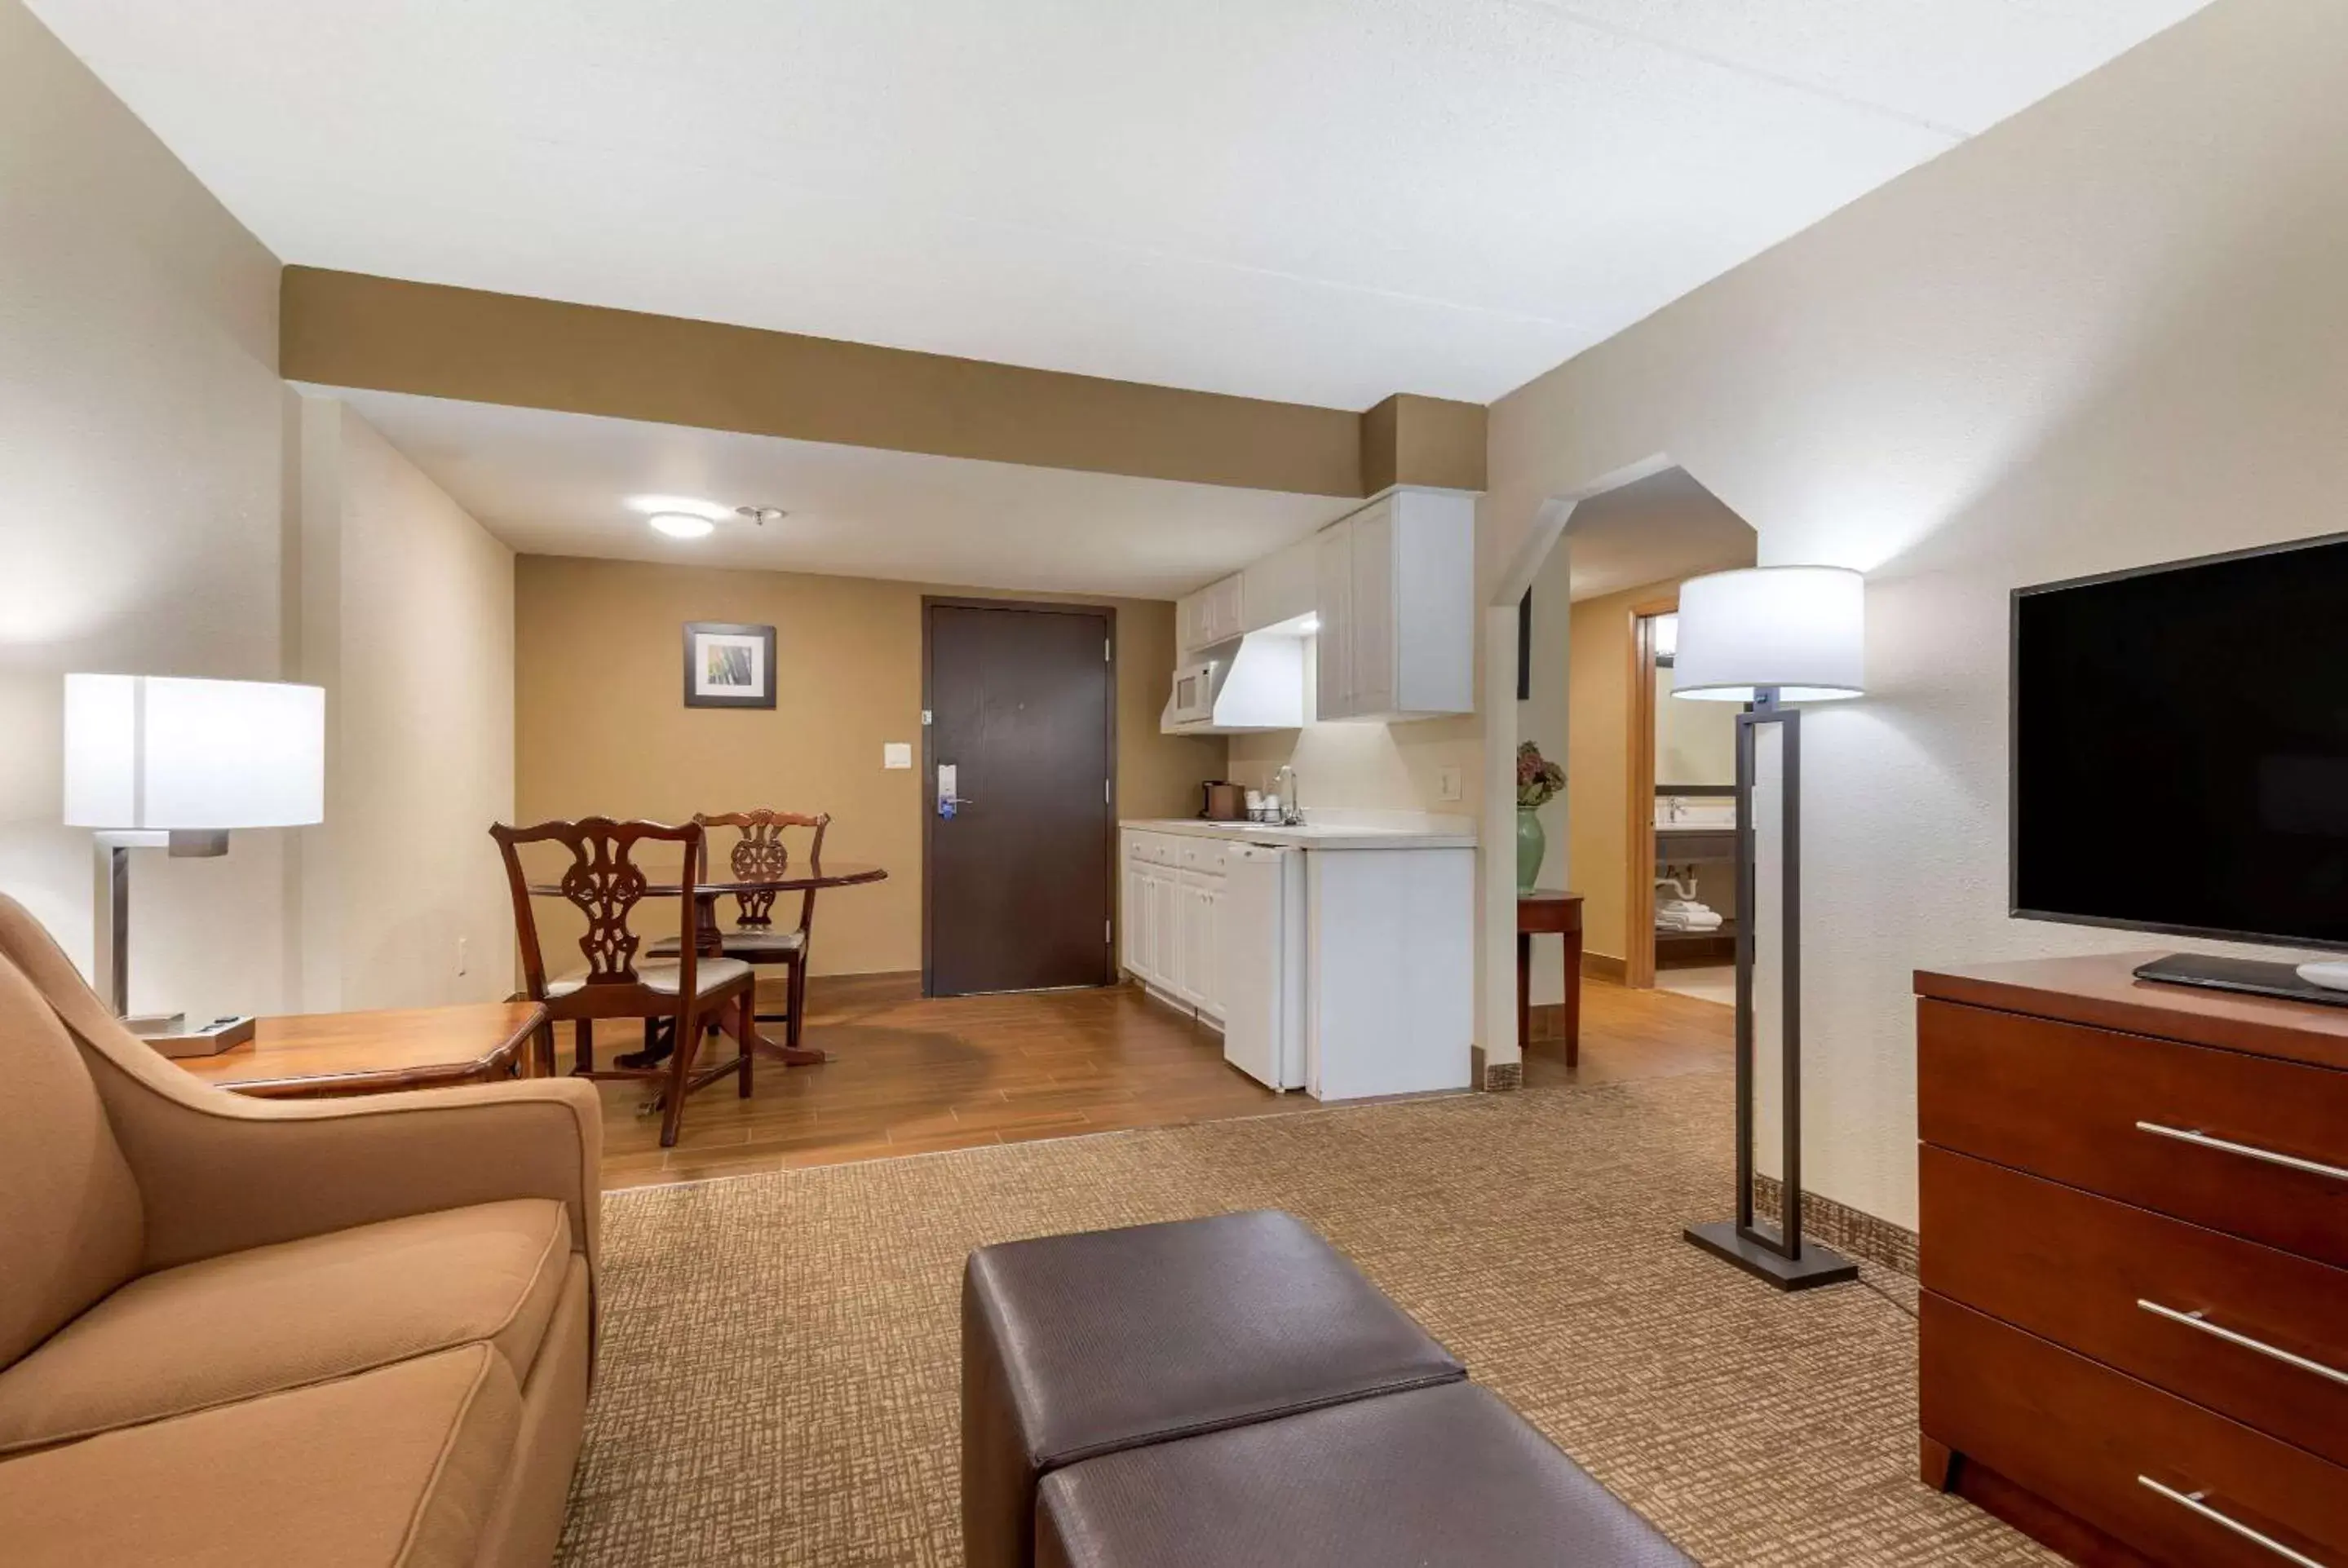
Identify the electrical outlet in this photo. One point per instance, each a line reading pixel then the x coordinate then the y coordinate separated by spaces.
pixel 464 954
pixel 1446 783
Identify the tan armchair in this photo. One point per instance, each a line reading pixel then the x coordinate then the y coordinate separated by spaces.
pixel 239 1330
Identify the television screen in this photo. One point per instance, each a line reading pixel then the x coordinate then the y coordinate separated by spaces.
pixel 2180 748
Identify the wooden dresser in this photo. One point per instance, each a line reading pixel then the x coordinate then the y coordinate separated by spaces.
pixel 2134 1247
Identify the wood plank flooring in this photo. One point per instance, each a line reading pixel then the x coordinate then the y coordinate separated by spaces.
pixel 912 1075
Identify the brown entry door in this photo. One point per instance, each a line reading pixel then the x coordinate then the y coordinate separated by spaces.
pixel 1021 699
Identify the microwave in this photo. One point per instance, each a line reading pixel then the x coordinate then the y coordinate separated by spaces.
pixel 1194 695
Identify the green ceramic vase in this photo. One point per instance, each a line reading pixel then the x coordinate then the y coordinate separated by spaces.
pixel 1532 844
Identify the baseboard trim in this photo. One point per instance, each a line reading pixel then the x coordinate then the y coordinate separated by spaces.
pixel 1846 1229
pixel 1493 1077
pixel 1545 1020
pixel 1605 966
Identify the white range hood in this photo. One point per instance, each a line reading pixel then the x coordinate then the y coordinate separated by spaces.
pixel 1255 682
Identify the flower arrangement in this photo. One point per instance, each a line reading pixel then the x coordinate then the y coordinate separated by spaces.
pixel 1539 779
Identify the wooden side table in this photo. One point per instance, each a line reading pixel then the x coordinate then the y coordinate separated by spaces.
pixel 321 1055
pixel 1540 913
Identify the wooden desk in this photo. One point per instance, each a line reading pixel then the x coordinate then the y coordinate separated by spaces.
pixel 1540 913
pixel 316 1055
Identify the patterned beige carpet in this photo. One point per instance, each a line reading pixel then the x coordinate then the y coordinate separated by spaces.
pixel 779 1374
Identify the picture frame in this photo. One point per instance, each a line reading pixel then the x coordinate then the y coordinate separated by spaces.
pixel 728 664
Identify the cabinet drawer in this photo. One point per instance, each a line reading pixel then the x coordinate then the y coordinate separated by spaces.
pixel 2245 1144
pixel 2088 1274
pixel 2087 1438
pixel 1205 855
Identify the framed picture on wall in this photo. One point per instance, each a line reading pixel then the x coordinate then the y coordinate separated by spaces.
pixel 728 665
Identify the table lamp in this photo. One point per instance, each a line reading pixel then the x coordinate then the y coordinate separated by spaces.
pixel 156 761
pixel 1769 637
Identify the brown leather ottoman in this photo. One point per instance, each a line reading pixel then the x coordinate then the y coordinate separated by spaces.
pixel 1444 1475
pixel 1075 1346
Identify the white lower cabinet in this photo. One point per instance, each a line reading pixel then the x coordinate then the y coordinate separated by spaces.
pixel 1172 904
pixel 1347 973
pixel 1200 900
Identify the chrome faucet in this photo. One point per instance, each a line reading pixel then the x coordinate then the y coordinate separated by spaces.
pixel 1283 784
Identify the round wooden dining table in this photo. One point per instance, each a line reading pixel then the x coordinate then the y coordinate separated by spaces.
pixel 812 877
pixel 709 940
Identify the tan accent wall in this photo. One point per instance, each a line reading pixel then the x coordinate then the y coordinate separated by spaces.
pixel 2106 332
pixel 1596 767
pixel 145 453
pixel 601 724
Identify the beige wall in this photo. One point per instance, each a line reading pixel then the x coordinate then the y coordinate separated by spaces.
pixel 143 455
pixel 600 725
pixel 1360 765
pixel 407 618
pixel 1695 743
pixel 2106 333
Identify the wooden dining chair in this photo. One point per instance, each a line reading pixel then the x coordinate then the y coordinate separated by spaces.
pixel 604 882
pixel 760 851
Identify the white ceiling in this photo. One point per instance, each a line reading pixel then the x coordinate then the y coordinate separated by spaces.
pixel 1325 200
pixel 1662 527
pixel 555 484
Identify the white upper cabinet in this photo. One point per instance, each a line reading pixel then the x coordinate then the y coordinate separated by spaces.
pixel 1213 614
pixel 1397 591
pixel 1332 688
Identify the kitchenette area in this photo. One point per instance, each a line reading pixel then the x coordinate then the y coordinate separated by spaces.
pixel 1332 945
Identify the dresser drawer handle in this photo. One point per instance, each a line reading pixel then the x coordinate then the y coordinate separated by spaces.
pixel 2195 1320
pixel 2248 1150
pixel 2192 1500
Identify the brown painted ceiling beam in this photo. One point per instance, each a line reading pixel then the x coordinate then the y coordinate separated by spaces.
pixel 1412 440
pixel 346 329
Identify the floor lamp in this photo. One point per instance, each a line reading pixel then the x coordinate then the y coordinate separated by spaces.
pixel 154 760
pixel 1771 636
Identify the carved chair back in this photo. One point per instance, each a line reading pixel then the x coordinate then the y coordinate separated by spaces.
pixel 760 851
pixel 605 883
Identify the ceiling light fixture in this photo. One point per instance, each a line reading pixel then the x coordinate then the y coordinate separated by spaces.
pixel 691 506
pixel 680 525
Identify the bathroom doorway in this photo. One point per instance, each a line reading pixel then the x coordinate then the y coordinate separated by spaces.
pixel 1682 838
pixel 1627 551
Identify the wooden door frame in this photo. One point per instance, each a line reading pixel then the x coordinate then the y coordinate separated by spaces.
pixel 1107 614
pixel 1639 835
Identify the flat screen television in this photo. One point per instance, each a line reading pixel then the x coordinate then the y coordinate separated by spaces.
pixel 2180 756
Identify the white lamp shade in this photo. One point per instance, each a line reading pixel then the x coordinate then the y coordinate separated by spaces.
pixel 155 752
pixel 1799 629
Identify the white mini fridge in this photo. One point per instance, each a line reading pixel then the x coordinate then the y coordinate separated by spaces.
pixel 1263 975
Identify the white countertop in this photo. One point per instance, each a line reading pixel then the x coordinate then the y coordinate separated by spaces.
pixel 1364 830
